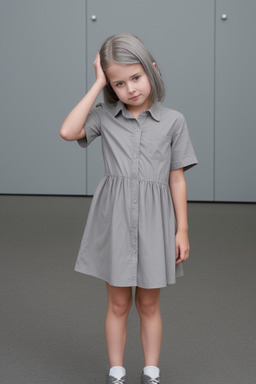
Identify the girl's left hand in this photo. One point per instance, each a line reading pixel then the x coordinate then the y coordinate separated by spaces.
pixel 181 246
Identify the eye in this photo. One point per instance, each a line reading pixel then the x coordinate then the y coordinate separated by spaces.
pixel 136 78
pixel 119 84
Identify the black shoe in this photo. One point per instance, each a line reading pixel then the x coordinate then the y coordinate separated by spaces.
pixel 114 380
pixel 148 380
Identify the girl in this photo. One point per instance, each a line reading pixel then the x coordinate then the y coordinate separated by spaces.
pixel 130 237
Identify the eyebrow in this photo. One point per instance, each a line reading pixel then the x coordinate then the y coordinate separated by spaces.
pixel 121 81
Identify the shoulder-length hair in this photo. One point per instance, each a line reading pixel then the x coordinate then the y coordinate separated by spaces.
pixel 126 49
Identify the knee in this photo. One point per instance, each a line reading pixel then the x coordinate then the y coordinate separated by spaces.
pixel 146 306
pixel 121 307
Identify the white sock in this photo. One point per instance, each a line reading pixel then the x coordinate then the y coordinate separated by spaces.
pixel 151 371
pixel 117 372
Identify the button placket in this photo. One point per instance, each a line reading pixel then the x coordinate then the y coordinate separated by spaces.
pixel 134 200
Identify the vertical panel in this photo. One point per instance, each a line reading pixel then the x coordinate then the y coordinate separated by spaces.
pixel 42 69
pixel 235 101
pixel 180 34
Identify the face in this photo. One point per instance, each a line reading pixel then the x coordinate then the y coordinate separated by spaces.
pixel 131 85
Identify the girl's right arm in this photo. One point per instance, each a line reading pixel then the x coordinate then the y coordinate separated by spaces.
pixel 73 126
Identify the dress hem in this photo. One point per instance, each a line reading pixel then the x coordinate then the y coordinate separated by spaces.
pixel 115 284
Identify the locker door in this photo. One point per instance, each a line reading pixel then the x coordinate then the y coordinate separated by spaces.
pixel 235 159
pixel 180 34
pixel 42 77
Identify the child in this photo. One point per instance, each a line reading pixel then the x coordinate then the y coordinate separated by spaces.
pixel 136 232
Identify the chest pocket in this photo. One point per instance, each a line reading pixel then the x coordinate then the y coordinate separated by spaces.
pixel 159 147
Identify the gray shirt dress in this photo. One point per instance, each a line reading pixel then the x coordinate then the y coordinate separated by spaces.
pixel 129 238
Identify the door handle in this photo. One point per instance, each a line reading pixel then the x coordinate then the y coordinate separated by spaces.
pixel 224 17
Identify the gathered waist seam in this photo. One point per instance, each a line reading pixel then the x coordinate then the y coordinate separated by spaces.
pixel 133 178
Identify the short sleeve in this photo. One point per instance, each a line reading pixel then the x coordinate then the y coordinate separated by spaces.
pixel 92 127
pixel 182 151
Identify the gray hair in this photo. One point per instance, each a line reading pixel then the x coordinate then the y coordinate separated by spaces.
pixel 126 49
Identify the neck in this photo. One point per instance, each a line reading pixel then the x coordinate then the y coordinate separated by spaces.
pixel 136 111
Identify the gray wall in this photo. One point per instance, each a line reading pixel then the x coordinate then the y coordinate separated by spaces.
pixel 47 50
pixel 42 71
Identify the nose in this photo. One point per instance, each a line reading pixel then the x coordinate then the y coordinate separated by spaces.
pixel 130 87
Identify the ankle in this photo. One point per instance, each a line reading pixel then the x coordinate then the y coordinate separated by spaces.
pixel 151 371
pixel 117 371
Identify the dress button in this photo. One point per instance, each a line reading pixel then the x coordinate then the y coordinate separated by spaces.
pixel 135 156
pixel 134 251
pixel 135 201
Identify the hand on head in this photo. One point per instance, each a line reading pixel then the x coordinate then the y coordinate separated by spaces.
pixel 100 75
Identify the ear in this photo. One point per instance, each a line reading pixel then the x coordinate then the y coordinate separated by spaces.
pixel 154 65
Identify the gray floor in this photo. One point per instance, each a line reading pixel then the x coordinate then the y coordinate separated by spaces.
pixel 52 319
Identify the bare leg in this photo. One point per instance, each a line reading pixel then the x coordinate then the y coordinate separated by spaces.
pixel 147 303
pixel 119 305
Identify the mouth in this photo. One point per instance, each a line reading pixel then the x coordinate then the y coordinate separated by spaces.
pixel 134 97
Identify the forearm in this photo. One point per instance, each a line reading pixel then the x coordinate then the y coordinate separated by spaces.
pixel 179 197
pixel 73 126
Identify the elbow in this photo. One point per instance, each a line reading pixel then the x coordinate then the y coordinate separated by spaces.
pixel 68 133
pixel 64 134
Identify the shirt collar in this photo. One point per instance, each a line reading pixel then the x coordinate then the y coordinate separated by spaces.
pixel 154 110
